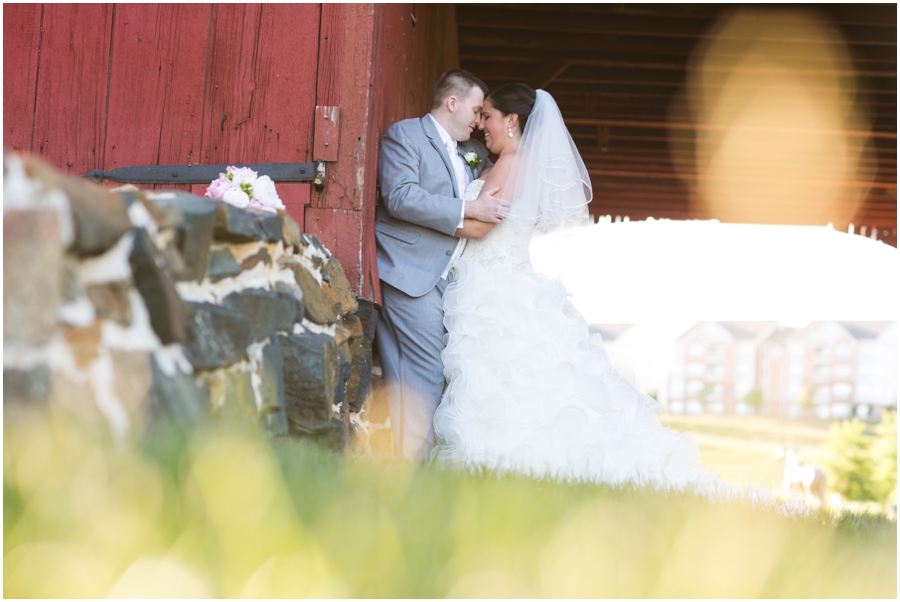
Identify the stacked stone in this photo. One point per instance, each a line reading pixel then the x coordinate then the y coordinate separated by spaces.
pixel 139 307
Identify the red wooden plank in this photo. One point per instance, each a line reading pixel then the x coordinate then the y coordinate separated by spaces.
pixel 156 85
pixel 260 95
pixel 326 133
pixel 415 44
pixel 70 108
pixel 346 68
pixel 379 65
pixel 21 43
pixel 231 86
pixel 341 233
pixel 415 56
pixel 369 286
pixel 346 80
pixel 331 53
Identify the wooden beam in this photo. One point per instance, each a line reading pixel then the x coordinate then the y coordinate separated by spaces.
pixel 546 74
pixel 624 25
pixel 639 176
pixel 641 100
pixel 478 52
pixel 604 160
pixel 700 126
pixel 662 90
pixel 870 15
pixel 600 43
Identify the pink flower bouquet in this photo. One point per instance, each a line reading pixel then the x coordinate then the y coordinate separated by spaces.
pixel 244 188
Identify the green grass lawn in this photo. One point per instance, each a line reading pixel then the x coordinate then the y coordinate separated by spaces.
pixel 741 449
pixel 228 514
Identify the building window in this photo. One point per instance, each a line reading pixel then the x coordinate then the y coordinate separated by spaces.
pixel 841 411
pixel 822 355
pixel 843 371
pixel 696 350
pixel 695 370
pixel 841 390
pixel 715 355
pixel 821 395
pixel 822 372
pixel 842 351
pixel 715 372
pixel 694 407
pixel 694 387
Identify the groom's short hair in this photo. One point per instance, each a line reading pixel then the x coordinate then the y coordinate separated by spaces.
pixel 457 82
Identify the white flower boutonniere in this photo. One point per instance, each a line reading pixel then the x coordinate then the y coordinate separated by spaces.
pixel 472 160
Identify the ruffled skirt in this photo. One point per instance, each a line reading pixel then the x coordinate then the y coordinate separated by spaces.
pixel 530 391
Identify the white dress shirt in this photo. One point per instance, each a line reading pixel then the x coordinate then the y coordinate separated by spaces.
pixel 463 179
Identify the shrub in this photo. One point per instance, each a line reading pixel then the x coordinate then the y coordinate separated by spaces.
pixel 754 399
pixel 884 458
pixel 863 465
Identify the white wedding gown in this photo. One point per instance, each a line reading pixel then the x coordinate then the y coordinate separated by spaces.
pixel 530 391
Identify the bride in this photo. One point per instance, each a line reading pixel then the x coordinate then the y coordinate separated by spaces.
pixel 527 389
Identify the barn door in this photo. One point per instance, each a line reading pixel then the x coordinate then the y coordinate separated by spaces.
pixel 106 86
pixel 102 86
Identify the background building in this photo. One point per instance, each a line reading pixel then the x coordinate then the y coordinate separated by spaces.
pixel 714 367
pixel 829 369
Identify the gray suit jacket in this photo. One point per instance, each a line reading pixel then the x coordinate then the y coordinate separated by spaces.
pixel 419 207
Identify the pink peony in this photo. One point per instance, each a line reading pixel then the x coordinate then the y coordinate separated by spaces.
pixel 218 188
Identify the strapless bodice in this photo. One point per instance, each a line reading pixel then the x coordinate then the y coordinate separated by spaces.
pixel 506 245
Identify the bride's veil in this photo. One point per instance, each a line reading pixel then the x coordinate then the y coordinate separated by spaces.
pixel 548 184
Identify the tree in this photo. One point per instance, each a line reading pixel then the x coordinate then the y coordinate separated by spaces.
pixel 863 465
pixel 754 399
pixel 849 462
pixel 884 458
pixel 704 393
pixel 806 398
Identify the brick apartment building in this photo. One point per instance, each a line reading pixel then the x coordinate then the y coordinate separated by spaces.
pixel 830 369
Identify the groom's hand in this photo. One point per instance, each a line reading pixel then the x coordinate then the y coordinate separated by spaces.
pixel 487 207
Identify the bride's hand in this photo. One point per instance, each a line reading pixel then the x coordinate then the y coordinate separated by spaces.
pixel 487 207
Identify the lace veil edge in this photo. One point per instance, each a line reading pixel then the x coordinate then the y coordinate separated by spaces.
pixel 548 184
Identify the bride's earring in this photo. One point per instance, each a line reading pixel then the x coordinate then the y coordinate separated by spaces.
pixel 509 129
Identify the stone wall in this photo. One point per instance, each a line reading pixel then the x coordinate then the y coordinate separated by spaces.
pixel 139 308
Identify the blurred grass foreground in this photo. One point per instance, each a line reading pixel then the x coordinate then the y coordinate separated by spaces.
pixel 220 513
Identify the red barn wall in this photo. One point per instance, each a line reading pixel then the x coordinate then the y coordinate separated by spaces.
pixel 154 84
pixel 416 53
pixel 90 86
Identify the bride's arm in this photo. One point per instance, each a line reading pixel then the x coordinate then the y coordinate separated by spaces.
pixel 496 177
pixel 472 228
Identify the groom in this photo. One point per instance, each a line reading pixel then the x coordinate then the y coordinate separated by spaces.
pixel 422 177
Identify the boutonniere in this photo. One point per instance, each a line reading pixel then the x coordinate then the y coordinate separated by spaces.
pixel 472 160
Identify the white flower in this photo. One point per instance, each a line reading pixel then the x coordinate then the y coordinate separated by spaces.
pixel 242 175
pixel 237 197
pixel 471 158
pixel 264 190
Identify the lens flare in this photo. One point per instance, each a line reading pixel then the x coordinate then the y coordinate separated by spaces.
pixel 778 136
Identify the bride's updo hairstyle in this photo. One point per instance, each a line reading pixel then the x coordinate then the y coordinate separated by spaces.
pixel 513 98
